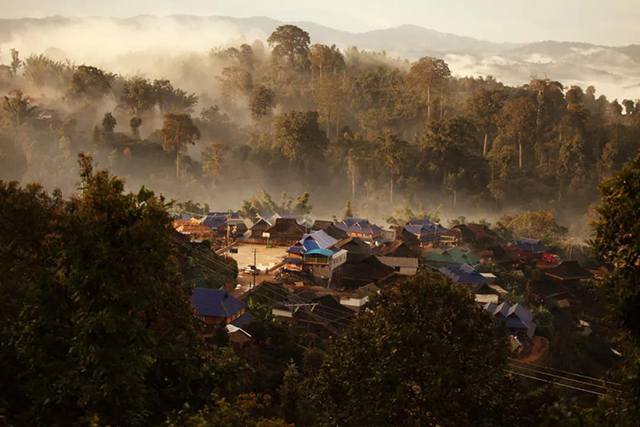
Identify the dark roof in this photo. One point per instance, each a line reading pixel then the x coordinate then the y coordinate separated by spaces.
pixel 370 269
pixel 462 273
pixel 321 224
pixel 530 245
pixel 568 270
pixel 215 303
pixel 397 248
pixel 244 319
pixel 327 308
pixel 359 225
pixel 465 232
pixel 481 230
pixel 286 227
pixel 293 260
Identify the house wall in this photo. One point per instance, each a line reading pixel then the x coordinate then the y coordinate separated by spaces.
pixel 404 266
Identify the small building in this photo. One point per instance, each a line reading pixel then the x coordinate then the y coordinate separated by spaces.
pixel 427 232
pixel 452 255
pixel 402 265
pixel 215 306
pixel 257 229
pixel 517 319
pixel 195 229
pixel 567 271
pixel 533 246
pixel 357 249
pixel 285 229
pixel 321 263
pixel 362 228
pixel 321 314
pixel 360 297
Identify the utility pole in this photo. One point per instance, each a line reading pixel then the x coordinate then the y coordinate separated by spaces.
pixel 228 231
pixel 255 251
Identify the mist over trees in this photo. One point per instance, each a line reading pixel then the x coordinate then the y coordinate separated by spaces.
pixel 343 125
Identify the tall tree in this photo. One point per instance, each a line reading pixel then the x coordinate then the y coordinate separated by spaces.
pixel 428 74
pixel 212 164
pixel 16 62
pixel 177 132
pixel 89 83
pixel 290 46
pixel 392 151
pixel 518 121
pixel 139 96
pixel 17 109
pixel 299 138
pixel 95 326
pixel 617 240
pixel 484 107
pixel 262 102
pixel 406 361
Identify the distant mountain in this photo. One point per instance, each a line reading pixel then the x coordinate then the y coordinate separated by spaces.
pixel 615 69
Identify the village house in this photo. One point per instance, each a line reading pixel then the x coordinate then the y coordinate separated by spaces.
pixel 285 230
pixel 567 272
pixel 214 306
pixel 193 228
pixel 321 314
pixel 454 255
pixel 427 232
pixel 517 319
pixel 361 228
pixel 464 274
pixel 400 257
pixel 360 297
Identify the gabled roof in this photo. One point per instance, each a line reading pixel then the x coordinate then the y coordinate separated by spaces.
pixel 515 317
pixel 321 252
pixel 530 245
pixel 244 319
pixel 481 230
pixel 453 255
pixel 317 240
pixel 358 225
pixel 463 274
pixel 568 270
pixel 215 303
pixel 397 248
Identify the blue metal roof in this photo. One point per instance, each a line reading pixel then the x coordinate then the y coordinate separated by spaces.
pixel 323 252
pixel 317 240
pixel 244 319
pixel 463 273
pixel 530 245
pixel 215 303
pixel 295 250
pixel 358 225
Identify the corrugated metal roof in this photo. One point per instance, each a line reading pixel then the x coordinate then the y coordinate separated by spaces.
pixel 215 303
pixel 323 252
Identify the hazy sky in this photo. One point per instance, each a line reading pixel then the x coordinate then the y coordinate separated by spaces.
pixel 611 22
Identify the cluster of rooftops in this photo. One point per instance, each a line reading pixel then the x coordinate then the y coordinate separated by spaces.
pixel 337 265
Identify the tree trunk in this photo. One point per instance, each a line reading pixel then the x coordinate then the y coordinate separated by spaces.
pixel 520 150
pixel 442 105
pixel 391 190
pixel 328 123
pixel 484 146
pixel 337 126
pixel 455 198
pixel 353 185
pixel 177 163
pixel 428 104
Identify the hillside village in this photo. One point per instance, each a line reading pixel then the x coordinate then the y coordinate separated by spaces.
pixel 321 274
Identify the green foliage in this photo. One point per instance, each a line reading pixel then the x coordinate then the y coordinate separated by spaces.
pixel 94 322
pixel 264 204
pixel 425 354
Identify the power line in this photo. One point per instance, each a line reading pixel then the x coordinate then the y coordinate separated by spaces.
pixel 565 372
pixel 563 378
pixel 555 383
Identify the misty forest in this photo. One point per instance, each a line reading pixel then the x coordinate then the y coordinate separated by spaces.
pixel 97 277
pixel 343 125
